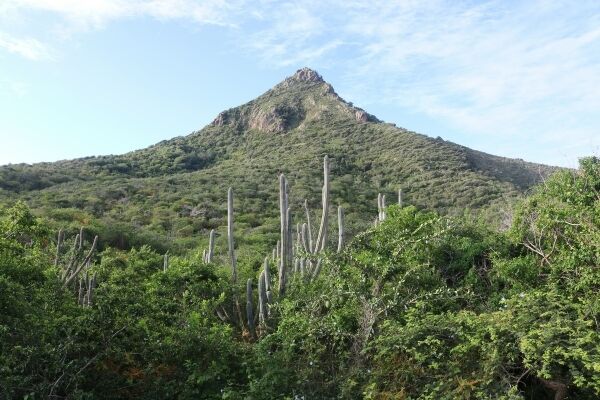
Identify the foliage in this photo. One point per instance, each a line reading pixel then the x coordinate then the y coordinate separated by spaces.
pixel 419 306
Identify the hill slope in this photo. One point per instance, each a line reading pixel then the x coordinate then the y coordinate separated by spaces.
pixel 176 188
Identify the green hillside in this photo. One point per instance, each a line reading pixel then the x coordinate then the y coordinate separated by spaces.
pixel 432 301
pixel 174 192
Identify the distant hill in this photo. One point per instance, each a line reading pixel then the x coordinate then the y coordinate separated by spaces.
pixel 175 190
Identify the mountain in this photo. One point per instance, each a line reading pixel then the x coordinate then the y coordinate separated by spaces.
pixel 174 191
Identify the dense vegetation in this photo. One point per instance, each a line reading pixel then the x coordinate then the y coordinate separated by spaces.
pixel 421 306
pixel 171 194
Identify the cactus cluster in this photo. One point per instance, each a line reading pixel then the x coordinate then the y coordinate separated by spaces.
pixel 381 213
pixel 309 263
pixel 302 256
pixel 77 266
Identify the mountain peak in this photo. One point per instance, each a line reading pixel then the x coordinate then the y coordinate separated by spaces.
pixel 298 99
pixel 307 75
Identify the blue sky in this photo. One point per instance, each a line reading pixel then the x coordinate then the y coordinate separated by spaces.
pixel 88 77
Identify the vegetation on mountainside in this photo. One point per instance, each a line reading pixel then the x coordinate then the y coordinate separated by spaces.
pixel 170 195
pixel 420 306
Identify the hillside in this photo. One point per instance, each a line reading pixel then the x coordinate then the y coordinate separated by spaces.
pixel 175 189
pixel 418 305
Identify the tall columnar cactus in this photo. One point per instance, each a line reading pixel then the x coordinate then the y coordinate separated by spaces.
pixel 230 235
pixel 322 238
pixel 80 292
pixel 166 262
pixel 309 240
pixel 75 255
pixel 381 207
pixel 87 285
pixel 309 265
pixel 305 239
pixel 267 275
pixel 72 269
pixel 340 229
pixel 77 267
pixel 249 310
pixel 231 244
pixel 283 216
pixel 262 301
pixel 400 197
pixel 90 292
pixel 298 238
pixel 211 247
pixel 288 239
pixel 59 242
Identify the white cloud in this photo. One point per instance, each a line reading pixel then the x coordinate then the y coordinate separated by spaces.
pixel 16 88
pixel 29 48
pixel 72 16
pixel 94 14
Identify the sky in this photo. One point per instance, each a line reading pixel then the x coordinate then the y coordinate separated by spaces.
pixel 89 77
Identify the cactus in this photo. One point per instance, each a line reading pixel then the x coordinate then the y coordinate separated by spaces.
pixel 308 246
pixel 400 197
pixel 283 214
pixel 166 262
pixel 230 235
pixel 77 268
pixel 72 260
pixel 267 275
pixel 211 246
pixel 262 301
pixel 305 238
pixel 380 207
pixel 288 240
pixel 322 237
pixel 249 310
pixel 59 242
pixel 298 240
pixel 69 277
pixel 91 288
pixel 80 292
pixel 340 229
pixel 231 246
